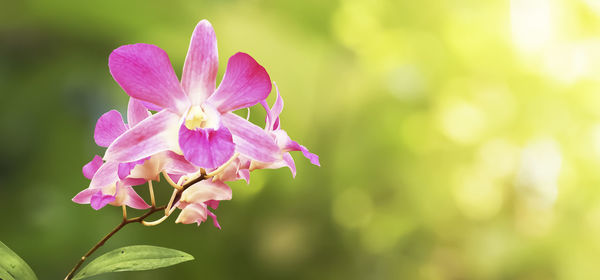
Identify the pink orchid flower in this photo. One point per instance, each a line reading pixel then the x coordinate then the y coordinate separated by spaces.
pixel 240 168
pixel 284 142
pixel 197 119
pixel 117 193
pixel 111 181
pixel 196 199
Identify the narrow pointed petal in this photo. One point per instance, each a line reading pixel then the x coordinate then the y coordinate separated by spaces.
pixel 136 112
pixel 289 162
pixel 207 148
pixel 245 84
pixel 83 197
pixel 153 135
pixel 134 200
pixel 314 159
pixel 144 71
pixel 99 200
pixel 272 117
pixel 250 140
pixel 92 167
pixel 109 126
pixel 201 64
pixel 214 218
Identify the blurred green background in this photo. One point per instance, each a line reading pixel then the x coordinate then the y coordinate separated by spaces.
pixel 458 139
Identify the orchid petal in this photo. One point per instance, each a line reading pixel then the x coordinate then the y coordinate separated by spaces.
pixel 192 213
pixel 153 135
pixel 201 64
pixel 314 159
pixel 206 190
pixel 272 117
pixel 214 218
pixel 92 167
pixel 251 140
pixel 206 147
pixel 244 84
pixel 99 200
pixel 136 112
pixel 173 163
pixel 134 200
pixel 214 204
pixel 125 168
pixel 83 197
pixel 106 175
pixel 289 162
pixel 150 106
pixel 109 126
pixel 144 71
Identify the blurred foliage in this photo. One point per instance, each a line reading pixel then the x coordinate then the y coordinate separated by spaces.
pixel 458 139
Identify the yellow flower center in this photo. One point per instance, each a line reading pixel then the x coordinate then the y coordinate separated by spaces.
pixel 196 118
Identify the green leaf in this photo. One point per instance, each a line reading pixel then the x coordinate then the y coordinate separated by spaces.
pixel 133 258
pixel 12 267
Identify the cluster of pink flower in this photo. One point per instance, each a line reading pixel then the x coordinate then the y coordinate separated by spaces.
pixel 194 132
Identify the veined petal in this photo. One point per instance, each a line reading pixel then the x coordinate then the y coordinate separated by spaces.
pixel 106 175
pixel 144 71
pixel 250 140
pixel 109 126
pixel 245 84
pixel 134 200
pixel 136 112
pixel 92 167
pixel 201 64
pixel 153 135
pixel 83 197
pixel 206 147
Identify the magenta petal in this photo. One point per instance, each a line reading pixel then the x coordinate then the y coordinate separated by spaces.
pixel 314 159
pixel 214 218
pixel 214 204
pixel 289 162
pixel 83 197
pixel 153 135
pixel 145 72
pixel 201 64
pixel 272 118
pixel 108 128
pixel 136 112
pixel 150 106
pixel 250 140
pixel 99 200
pixel 134 200
pixel 92 167
pixel 245 84
pixel 207 148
